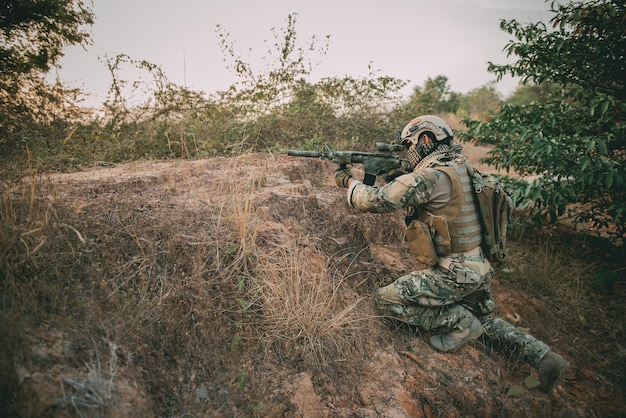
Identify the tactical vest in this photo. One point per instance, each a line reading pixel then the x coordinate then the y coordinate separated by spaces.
pixel 456 225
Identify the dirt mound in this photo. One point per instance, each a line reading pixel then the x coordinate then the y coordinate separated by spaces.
pixel 160 318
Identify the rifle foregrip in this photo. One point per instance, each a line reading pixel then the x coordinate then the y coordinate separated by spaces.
pixel 369 179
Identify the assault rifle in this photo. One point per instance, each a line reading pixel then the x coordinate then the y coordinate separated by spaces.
pixel 375 163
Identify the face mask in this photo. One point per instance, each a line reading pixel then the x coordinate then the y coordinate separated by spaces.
pixel 415 154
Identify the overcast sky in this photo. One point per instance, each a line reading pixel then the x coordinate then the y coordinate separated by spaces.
pixel 408 39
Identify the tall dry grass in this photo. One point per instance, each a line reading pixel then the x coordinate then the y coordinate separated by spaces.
pixel 185 297
pixel 297 305
pixel 306 310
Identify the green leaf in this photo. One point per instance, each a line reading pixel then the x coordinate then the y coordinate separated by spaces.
pixel 602 147
pixel 531 382
pixel 608 181
pixel 536 193
pixel 232 249
pixel 604 106
pixel 234 341
pixel 585 165
pixel 241 283
pixel 523 134
pixel 243 380
pixel 529 187
pixel 515 390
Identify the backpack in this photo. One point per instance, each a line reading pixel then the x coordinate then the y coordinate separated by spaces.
pixel 494 205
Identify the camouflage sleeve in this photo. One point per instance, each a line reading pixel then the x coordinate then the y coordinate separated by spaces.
pixel 411 189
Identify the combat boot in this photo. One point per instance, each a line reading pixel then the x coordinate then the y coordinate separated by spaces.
pixel 454 340
pixel 551 370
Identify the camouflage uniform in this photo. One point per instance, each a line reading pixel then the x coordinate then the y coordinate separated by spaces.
pixel 440 298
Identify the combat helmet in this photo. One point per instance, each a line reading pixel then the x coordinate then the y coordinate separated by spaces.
pixel 435 128
pixel 427 123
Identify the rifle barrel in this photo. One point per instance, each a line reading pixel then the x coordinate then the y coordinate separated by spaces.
pixel 302 153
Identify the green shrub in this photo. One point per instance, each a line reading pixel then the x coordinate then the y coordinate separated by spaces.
pixel 571 145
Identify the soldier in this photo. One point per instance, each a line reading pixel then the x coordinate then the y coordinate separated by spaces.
pixel 452 296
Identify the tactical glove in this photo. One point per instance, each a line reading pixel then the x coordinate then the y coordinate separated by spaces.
pixel 342 176
pixel 392 174
pixel 405 168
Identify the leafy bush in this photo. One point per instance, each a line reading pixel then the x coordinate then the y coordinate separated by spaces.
pixel 271 109
pixel 572 146
pixel 32 37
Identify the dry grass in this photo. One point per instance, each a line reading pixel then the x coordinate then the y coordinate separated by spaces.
pixel 193 293
pixel 305 310
pixel 95 389
pixel 181 292
pixel 297 306
pixel 584 320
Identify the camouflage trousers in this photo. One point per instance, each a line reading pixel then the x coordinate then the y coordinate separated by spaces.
pixel 436 299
